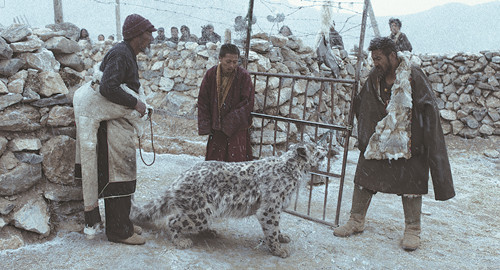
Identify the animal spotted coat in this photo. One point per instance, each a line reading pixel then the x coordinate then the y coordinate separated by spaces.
pixel 214 189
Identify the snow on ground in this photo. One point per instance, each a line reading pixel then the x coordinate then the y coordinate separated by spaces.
pixel 461 233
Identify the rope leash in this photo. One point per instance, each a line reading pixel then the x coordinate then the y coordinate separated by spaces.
pixel 152 142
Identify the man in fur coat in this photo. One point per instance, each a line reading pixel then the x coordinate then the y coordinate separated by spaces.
pixel 400 139
pixel 116 151
pixel 225 102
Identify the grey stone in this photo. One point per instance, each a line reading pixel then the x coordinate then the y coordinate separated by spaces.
pixel 43 60
pixel 9 99
pixel 5 50
pixel 33 216
pixel 32 44
pixel 11 66
pixel 59 160
pixel 6 206
pixel 58 99
pixel 30 158
pixel 20 118
pixel 471 122
pixel 10 238
pixel 61 193
pixel 19 179
pixel 71 60
pixel 22 144
pixel 16 32
pixel 67 29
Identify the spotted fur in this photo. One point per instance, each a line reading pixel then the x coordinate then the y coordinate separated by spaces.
pixel 214 189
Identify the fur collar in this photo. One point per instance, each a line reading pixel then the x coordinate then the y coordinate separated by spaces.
pixel 392 136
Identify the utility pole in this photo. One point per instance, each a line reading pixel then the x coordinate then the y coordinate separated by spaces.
pixel 58 11
pixel 373 20
pixel 118 24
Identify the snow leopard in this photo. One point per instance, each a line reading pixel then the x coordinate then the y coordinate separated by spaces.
pixel 216 189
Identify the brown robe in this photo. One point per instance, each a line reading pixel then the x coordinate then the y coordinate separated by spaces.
pixel 428 148
pixel 229 138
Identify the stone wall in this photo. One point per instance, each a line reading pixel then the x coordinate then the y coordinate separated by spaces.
pixel 41 68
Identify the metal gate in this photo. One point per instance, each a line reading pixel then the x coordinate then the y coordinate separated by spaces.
pixel 295 108
pixel 284 120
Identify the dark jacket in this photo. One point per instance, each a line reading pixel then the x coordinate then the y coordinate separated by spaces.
pixel 402 43
pixel 229 137
pixel 428 148
pixel 120 66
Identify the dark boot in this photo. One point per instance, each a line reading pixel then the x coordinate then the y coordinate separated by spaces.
pixel 412 207
pixel 361 198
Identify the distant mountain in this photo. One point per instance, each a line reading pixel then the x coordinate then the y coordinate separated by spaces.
pixel 448 28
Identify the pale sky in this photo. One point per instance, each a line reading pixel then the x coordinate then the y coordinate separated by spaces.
pixel 401 7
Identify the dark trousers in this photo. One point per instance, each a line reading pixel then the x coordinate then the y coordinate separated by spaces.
pixel 117 211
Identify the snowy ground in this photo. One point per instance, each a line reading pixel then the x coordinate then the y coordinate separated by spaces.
pixel 462 233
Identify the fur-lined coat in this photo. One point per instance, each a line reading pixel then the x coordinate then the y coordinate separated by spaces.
pixel 407 173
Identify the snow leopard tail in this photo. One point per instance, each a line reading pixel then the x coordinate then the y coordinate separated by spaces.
pixel 154 210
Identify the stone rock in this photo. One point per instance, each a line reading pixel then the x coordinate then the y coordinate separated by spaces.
pixel 20 118
pixel 6 206
pixel 59 99
pixel 33 216
pixel 46 33
pixel 3 144
pixel 5 50
pixel 180 104
pixel 456 126
pixel 448 115
pixel 471 122
pixel 16 82
pixel 278 40
pixel 3 88
pixel 8 161
pixel 496 59
pixel 492 102
pixel 166 84
pixel 11 66
pixel 71 60
pixel 16 32
pixel 43 60
pixel 268 137
pixel 19 179
pixel 61 116
pixel 67 29
pixel 25 144
pixel 61 193
pixel 486 130
pixel 10 238
pixel 52 84
pixel 260 45
pixel 32 44
pixel 9 99
pixel 469 133
pixel 62 45
pixel 59 160
pixel 30 158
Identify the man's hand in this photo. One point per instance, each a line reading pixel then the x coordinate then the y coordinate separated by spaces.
pixel 140 107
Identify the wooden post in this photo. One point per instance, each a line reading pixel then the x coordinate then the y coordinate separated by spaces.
pixel 373 20
pixel 118 23
pixel 249 31
pixel 58 11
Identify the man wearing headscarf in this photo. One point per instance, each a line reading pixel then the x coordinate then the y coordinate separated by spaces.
pixel 116 151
